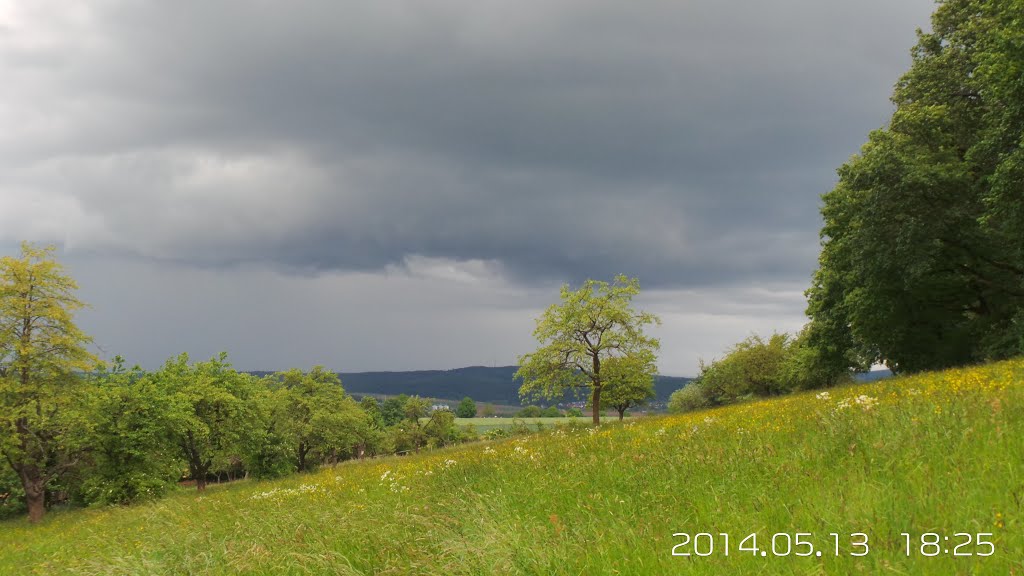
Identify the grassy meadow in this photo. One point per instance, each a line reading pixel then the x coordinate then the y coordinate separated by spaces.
pixel 940 452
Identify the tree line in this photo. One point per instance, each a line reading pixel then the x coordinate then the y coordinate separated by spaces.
pixel 77 430
pixel 74 429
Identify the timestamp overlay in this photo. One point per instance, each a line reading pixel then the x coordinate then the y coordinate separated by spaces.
pixel 953 551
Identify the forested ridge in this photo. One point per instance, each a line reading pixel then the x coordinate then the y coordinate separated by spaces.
pixel 496 385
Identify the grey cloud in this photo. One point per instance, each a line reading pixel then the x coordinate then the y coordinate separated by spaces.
pixel 686 143
pixel 428 313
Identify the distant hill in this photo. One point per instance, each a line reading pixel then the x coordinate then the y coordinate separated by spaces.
pixel 481 383
pixel 495 385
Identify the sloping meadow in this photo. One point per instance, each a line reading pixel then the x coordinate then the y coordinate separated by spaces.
pixel 853 480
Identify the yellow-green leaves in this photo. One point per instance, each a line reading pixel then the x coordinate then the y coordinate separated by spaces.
pixel 42 352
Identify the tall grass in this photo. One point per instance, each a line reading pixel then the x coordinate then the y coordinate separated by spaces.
pixel 939 452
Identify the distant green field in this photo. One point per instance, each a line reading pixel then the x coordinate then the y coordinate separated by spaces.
pixel 863 479
pixel 484 424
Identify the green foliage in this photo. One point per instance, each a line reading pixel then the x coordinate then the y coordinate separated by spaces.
pixel 415 408
pixel 393 410
pixel 630 381
pixel 590 326
pixel 496 434
pixel 132 456
pixel 530 411
pixel 922 253
pixel 466 408
pixel 551 412
pixel 370 405
pixel 403 438
pixel 440 429
pixel 214 416
pixel 757 367
pixel 752 367
pixel 42 426
pixel 319 420
pixel 12 495
pixel 935 452
pixel 574 412
pixel 688 398
pixel 275 456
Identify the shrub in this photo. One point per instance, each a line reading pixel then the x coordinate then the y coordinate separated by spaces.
pixel 689 398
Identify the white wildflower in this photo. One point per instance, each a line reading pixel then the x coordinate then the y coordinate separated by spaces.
pixel 866 402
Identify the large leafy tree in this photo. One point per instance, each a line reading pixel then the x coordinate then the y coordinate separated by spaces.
pixel 922 262
pixel 322 422
pixel 42 352
pixel 580 335
pixel 214 414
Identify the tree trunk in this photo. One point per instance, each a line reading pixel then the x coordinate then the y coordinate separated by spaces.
pixel 622 412
pixel 33 480
pixel 35 499
pixel 596 401
pixel 196 467
pixel 302 456
pixel 35 491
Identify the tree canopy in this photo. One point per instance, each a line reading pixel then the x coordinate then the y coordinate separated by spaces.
pixel 922 262
pixel 588 328
pixel 214 417
pixel 466 408
pixel 318 418
pixel 629 381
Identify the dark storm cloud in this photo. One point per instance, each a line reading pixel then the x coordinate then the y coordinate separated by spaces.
pixel 683 142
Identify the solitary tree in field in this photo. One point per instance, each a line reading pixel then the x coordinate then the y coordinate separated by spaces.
pixel 41 352
pixel 466 408
pixel 579 336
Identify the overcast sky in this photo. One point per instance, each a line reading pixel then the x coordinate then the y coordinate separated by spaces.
pixel 400 184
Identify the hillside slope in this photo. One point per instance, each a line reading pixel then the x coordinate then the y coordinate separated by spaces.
pixel 940 453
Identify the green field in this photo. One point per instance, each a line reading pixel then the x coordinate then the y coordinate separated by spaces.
pixel 936 453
